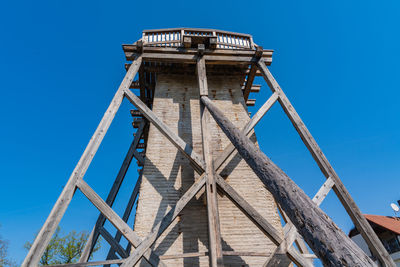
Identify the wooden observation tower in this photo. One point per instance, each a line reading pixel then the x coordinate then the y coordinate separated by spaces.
pixel 206 195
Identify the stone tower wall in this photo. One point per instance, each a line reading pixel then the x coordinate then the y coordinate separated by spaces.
pixel 167 175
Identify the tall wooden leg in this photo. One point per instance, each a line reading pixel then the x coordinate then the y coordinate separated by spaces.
pixel 94 235
pixel 214 233
pixel 47 231
pixel 344 196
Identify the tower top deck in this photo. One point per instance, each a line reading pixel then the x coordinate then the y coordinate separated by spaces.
pixel 182 45
pixel 177 50
pixel 174 37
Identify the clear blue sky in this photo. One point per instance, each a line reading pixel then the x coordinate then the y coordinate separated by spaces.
pixel 61 62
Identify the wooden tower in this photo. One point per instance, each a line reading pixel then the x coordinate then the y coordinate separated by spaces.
pixel 201 202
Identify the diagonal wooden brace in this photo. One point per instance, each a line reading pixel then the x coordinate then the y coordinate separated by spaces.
pixel 259 220
pixel 126 215
pixel 195 159
pixel 344 196
pixel 290 230
pixel 327 241
pixel 113 217
pixel 94 235
pixel 54 218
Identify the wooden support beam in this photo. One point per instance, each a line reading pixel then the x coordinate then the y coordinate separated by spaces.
pixel 205 253
pixel 249 82
pixel 201 76
pixel 214 232
pixel 93 263
pixel 114 243
pixel 91 242
pixel 132 49
pixel 47 231
pixel 211 59
pixel 127 213
pixel 142 85
pixel 290 230
pixel 323 191
pixel 250 102
pixel 246 130
pixel 187 41
pixel 259 220
pixel 255 88
pixel 134 84
pixel 327 241
pixel 196 161
pixel 113 217
pixel 352 209
pixel 164 223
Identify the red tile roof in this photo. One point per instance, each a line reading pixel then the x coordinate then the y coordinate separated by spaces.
pixel 390 223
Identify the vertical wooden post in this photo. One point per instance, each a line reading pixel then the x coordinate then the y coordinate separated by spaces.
pixel 215 247
pixel 344 196
pixel 47 231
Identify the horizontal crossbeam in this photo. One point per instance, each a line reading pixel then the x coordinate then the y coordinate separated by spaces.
pixel 93 263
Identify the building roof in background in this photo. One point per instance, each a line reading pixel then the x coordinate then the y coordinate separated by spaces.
pixel 390 223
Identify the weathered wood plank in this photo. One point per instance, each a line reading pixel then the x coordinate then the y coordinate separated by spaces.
pixel 201 76
pixel 290 231
pixel 127 213
pixel 328 242
pixel 142 86
pixel 193 51
pixel 91 242
pixel 196 161
pixel 205 253
pixel 192 59
pixel 323 191
pixel 344 196
pixel 246 130
pixel 93 263
pixel 113 217
pixel 164 223
pixel 301 245
pixel 114 243
pixel 214 232
pixel 45 234
pixel 249 82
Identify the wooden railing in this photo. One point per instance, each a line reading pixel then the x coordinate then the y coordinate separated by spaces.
pixel 173 38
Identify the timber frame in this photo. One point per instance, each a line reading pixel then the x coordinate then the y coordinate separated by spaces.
pixel 200 51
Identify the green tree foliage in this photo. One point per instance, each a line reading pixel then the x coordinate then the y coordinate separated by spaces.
pixel 64 249
pixel 4 259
